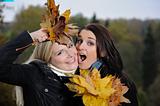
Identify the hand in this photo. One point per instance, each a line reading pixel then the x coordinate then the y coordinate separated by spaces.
pixel 39 35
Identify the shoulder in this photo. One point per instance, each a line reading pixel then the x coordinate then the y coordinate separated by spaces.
pixel 40 65
pixel 128 81
pixel 37 62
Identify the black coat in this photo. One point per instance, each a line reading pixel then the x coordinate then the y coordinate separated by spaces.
pixel 41 86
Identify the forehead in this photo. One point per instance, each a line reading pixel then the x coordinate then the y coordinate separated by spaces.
pixel 64 39
pixel 87 34
pixel 56 47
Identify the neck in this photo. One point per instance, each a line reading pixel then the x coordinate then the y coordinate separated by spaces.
pixel 97 64
pixel 60 72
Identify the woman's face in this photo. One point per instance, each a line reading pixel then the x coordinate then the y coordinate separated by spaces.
pixel 86 46
pixel 64 57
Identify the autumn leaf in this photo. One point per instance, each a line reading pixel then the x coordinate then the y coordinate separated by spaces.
pixel 97 91
pixel 53 9
pixel 56 24
pixel 66 14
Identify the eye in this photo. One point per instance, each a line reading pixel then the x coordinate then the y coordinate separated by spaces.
pixel 59 52
pixel 70 45
pixel 90 43
pixel 79 41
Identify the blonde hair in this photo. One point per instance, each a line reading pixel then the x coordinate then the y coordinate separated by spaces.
pixel 42 52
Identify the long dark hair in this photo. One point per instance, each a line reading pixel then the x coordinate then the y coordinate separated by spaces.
pixel 106 49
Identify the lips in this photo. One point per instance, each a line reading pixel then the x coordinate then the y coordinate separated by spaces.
pixel 73 60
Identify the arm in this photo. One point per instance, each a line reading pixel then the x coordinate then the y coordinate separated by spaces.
pixel 16 73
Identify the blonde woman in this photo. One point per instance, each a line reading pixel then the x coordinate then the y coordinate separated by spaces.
pixel 43 78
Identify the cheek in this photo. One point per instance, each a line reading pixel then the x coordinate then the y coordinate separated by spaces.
pixel 92 52
pixel 56 61
pixel 74 50
pixel 92 56
pixel 91 59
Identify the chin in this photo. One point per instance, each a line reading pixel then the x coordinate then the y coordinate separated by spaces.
pixel 73 67
pixel 83 67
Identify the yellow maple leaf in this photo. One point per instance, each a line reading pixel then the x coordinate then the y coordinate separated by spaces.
pixel 66 14
pixel 76 88
pixel 90 100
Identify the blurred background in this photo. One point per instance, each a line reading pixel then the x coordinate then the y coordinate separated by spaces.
pixel 134 25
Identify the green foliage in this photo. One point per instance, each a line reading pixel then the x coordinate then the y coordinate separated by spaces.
pixel 154 93
pixel 1 11
pixel 149 59
pixel 130 47
pixel 94 19
pixel 156 32
pixel 79 20
pixel 2 39
pixel 143 98
pixel 106 23
pixel 6 95
pixel 27 19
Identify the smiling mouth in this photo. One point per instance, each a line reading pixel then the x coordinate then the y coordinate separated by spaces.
pixel 72 61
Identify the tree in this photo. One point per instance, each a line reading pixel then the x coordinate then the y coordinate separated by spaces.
pixel 1 16
pixel 6 97
pixel 27 19
pixel 94 19
pixel 2 38
pixel 154 93
pixel 130 47
pixel 106 23
pixel 157 38
pixel 149 62
pixel 79 20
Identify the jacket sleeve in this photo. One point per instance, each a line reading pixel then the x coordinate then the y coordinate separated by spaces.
pixel 14 73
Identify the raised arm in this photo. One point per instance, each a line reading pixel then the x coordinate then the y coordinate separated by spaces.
pixel 16 73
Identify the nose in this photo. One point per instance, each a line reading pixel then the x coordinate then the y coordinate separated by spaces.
pixel 72 52
pixel 81 46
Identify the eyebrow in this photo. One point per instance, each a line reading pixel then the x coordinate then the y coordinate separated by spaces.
pixel 55 53
pixel 91 38
pixel 88 37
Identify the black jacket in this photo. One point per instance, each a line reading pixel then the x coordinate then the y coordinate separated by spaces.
pixel 41 86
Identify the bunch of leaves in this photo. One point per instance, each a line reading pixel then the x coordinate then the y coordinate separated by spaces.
pixel 97 91
pixel 53 22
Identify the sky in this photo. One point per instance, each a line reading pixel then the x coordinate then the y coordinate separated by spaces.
pixel 141 9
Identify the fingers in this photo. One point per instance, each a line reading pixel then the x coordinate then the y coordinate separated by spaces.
pixel 39 35
pixel 43 38
pixel 44 30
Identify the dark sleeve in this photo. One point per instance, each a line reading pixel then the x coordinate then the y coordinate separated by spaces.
pixel 131 93
pixel 14 73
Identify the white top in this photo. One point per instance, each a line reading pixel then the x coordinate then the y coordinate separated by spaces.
pixel 60 72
